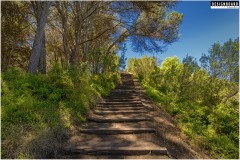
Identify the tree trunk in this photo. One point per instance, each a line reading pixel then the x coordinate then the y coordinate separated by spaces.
pixel 37 44
pixel 88 28
pixel 78 28
pixel 42 60
pixel 75 51
pixel 62 9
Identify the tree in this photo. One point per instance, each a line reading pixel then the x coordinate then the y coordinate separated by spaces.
pixel 38 53
pixel 73 31
pixel 15 34
pixel 223 61
pixel 143 67
pixel 190 63
pixel 149 26
pixel 77 38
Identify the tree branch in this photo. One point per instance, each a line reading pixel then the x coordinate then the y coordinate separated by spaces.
pixel 98 35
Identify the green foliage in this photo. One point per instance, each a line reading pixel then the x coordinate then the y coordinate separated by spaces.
pixel 33 106
pixel 103 63
pixel 206 107
pixel 156 23
pixel 222 146
pixel 156 95
pixel 223 61
pixel 15 47
pixel 104 83
pixel 142 67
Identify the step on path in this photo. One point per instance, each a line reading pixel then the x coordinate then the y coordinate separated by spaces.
pixel 118 128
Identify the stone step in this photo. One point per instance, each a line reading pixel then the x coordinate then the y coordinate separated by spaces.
pixel 115 150
pixel 122 97
pixel 118 120
pixel 120 103
pixel 85 156
pixel 119 108
pixel 122 100
pixel 130 82
pixel 117 130
pixel 120 112
pixel 130 86
pixel 124 94
pixel 117 144
pixel 125 90
pixel 143 124
pixel 109 104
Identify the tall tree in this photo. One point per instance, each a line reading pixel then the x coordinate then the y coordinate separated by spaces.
pixel 190 64
pixel 15 33
pixel 89 33
pixel 76 37
pixel 149 26
pixel 223 61
pixel 41 10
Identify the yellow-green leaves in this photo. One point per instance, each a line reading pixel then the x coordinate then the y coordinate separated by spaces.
pixel 206 107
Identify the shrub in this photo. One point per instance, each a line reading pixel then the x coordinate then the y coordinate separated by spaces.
pixel 39 110
pixel 206 107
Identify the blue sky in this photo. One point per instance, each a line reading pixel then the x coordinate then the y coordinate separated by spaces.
pixel 201 27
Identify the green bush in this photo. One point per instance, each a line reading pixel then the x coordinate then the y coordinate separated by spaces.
pixel 221 146
pixel 104 83
pixel 35 107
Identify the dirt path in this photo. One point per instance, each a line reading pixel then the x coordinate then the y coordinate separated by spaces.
pixel 128 125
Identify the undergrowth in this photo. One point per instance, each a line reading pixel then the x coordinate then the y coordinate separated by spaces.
pixel 205 107
pixel 215 131
pixel 39 111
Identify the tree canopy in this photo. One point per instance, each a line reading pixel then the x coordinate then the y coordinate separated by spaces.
pixel 82 32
